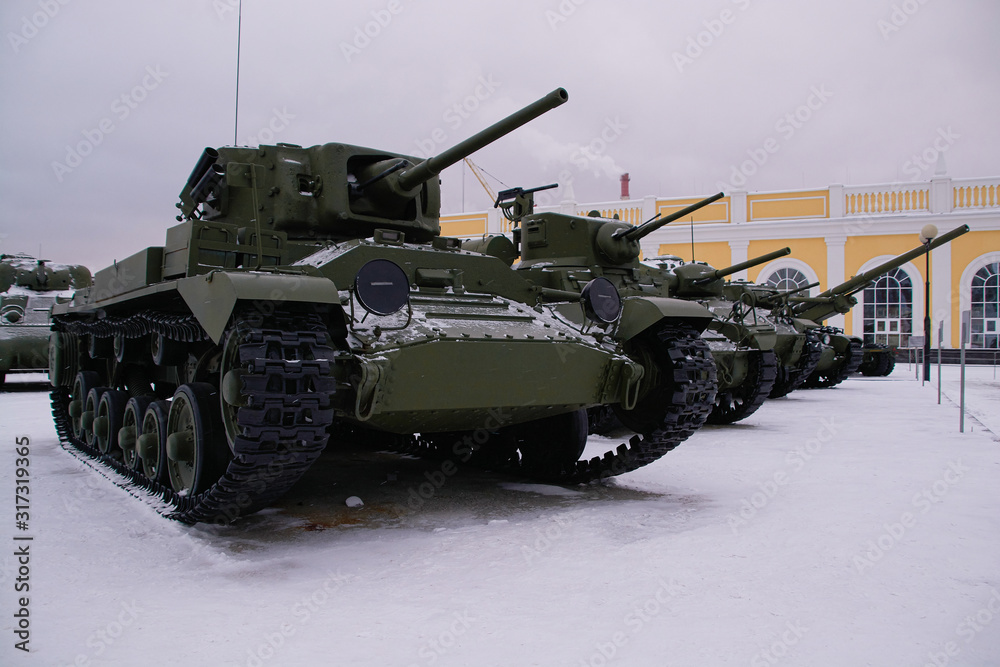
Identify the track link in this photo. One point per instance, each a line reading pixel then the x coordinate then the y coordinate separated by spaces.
pixel 283 428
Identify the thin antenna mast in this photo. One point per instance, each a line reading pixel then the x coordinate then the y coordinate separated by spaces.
pixel 239 31
pixel 692 238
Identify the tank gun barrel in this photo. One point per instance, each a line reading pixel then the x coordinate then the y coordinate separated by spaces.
pixel 756 261
pixel 860 282
pixel 427 169
pixel 650 226
pixel 840 299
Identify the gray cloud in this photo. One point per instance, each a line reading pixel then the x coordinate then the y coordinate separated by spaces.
pixel 385 74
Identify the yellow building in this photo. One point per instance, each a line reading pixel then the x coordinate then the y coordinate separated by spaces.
pixel 835 233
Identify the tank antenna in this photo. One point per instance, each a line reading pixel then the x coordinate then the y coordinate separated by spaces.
pixel 692 238
pixel 239 30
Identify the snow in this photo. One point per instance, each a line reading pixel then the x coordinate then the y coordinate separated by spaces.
pixel 846 526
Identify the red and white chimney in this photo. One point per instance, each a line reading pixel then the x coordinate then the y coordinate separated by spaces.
pixel 624 181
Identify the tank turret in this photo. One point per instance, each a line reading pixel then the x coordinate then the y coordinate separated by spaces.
pixel 39 275
pixel 840 299
pixel 697 279
pixel 556 237
pixel 333 191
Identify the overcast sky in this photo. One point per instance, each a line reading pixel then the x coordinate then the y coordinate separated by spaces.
pixel 105 106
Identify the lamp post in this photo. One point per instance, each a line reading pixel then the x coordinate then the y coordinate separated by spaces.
pixel 927 235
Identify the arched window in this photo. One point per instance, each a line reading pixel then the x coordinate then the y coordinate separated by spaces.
pixel 787 278
pixel 889 310
pixel 986 306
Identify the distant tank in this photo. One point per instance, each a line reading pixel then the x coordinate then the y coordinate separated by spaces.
pixel 742 337
pixel 28 289
pixel 797 348
pixel 306 294
pixel 844 354
pixel 878 360
pixel 563 252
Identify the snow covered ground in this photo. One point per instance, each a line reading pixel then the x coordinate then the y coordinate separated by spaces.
pixel 848 526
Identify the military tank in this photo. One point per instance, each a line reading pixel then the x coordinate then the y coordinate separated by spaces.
pixel 28 289
pixel 564 252
pixel 797 348
pixel 742 337
pixel 844 354
pixel 306 295
pixel 877 360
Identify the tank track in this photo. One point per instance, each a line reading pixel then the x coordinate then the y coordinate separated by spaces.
pixel 740 402
pixel 790 380
pixel 837 375
pixel 693 397
pixel 284 427
pixel 878 361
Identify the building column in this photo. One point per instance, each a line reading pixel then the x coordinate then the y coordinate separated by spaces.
pixel 836 201
pixel 944 295
pixel 738 206
pixel 738 253
pixel 648 207
pixel 835 275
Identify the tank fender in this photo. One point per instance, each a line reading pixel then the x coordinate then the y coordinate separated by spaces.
pixel 641 312
pixel 213 296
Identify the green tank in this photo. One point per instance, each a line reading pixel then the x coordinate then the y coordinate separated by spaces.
pixel 878 360
pixel 564 252
pixel 797 348
pixel 306 296
pixel 742 337
pixel 843 354
pixel 29 288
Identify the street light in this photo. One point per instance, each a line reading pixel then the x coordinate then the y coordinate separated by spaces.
pixel 927 235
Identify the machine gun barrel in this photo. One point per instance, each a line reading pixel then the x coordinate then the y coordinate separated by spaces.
pixel 646 228
pixel 756 261
pixel 427 169
pixel 860 282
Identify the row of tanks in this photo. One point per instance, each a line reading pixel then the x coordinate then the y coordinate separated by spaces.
pixel 306 298
pixel 765 342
